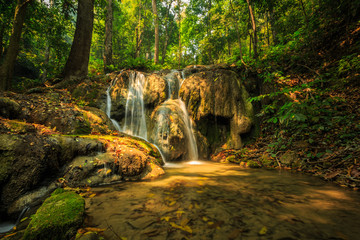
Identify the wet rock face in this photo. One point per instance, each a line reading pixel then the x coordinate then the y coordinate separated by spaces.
pixel 31 161
pixel 217 101
pixel 169 131
pixel 154 92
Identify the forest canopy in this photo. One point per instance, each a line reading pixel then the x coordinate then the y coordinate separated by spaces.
pixel 157 34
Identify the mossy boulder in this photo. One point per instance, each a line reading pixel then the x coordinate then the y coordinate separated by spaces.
pixel 124 158
pixel 59 217
pixel 9 108
pixel 169 130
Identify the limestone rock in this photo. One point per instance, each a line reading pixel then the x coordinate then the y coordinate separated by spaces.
pixel 169 131
pixel 217 98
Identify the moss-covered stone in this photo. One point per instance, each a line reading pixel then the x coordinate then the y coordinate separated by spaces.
pixel 252 164
pixel 58 218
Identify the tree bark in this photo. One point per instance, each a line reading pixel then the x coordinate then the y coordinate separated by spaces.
pixel 180 51
pixel 78 61
pixel 108 37
pixel 253 24
pixel 138 33
pixel 167 34
pixel 273 27
pixel 250 41
pixel 237 30
pixel 156 21
pixel 7 68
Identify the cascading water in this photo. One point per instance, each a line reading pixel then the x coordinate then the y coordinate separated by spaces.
pixel 193 150
pixel 171 109
pixel 135 123
pixel 135 119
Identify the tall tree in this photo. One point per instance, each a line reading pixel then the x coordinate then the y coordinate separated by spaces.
pixel 237 29
pixel 78 61
pixel 108 36
pixel 138 32
pixel 156 54
pixel 253 24
pixel 168 30
pixel 7 68
pixel 179 15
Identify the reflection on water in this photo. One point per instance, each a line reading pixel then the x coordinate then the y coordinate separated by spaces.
pixel 219 201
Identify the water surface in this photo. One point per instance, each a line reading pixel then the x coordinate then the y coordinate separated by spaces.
pixel 219 201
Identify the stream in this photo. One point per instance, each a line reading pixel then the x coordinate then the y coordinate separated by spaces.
pixel 204 200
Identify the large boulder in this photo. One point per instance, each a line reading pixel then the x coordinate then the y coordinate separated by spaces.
pixel 217 101
pixel 125 158
pixel 170 131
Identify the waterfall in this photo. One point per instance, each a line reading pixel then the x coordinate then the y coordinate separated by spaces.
pixel 135 119
pixel 135 123
pixel 108 105
pixel 193 150
pixel 163 120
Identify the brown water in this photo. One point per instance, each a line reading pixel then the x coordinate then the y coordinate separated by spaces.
pixel 218 201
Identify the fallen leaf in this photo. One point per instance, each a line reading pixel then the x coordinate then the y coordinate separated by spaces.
pixel 89 229
pixel 165 218
pixel 184 228
pixel 179 213
pixel 263 231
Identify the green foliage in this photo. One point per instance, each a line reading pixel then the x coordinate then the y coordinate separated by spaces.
pixel 348 64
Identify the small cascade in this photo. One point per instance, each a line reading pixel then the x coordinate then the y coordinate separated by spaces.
pixel 108 105
pixel 135 123
pixel 8 226
pixel 170 115
pixel 166 115
pixel 193 150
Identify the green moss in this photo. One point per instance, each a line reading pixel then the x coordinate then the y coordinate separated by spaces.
pixel 232 159
pixel 58 218
pixel 252 164
pixel 83 128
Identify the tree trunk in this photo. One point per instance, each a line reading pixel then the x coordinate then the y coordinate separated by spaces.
pixel 267 30
pixel 156 54
pixel 2 33
pixel 179 4
pixel 253 24
pixel 167 34
pixel 273 28
pixel 7 68
pixel 78 61
pixel 108 37
pixel 250 41
pixel 138 33
pixel 237 30
pixel 46 63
